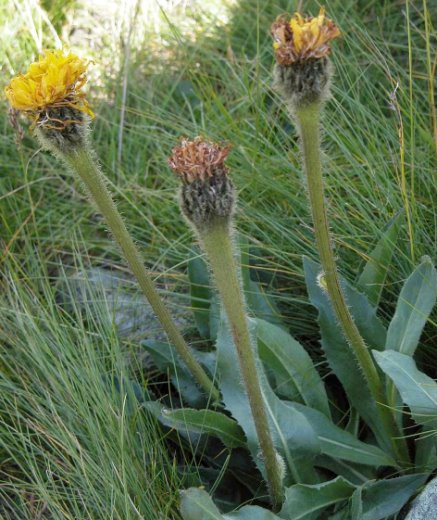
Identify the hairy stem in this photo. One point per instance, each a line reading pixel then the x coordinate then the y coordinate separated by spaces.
pixel 82 162
pixel 308 119
pixel 217 243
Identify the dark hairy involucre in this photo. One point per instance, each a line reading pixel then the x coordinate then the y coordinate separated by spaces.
pixel 62 128
pixel 303 82
pixel 207 201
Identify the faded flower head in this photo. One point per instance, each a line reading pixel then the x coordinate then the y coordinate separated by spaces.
pixel 303 71
pixel 198 159
pixel 207 194
pixel 302 38
pixel 50 93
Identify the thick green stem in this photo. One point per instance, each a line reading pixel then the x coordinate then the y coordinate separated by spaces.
pixel 308 119
pixel 217 243
pixel 81 161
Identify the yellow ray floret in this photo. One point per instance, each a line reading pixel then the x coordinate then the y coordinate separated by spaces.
pixel 55 80
pixel 300 39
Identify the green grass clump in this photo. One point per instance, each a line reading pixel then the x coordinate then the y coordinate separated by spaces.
pixel 75 441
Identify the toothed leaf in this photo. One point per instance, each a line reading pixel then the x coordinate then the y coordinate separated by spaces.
pixel 340 355
pixel 292 434
pixel 303 502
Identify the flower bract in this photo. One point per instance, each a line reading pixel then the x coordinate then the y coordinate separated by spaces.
pixel 302 38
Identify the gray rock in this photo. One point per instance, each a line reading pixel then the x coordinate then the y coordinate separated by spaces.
pixel 130 312
pixel 425 505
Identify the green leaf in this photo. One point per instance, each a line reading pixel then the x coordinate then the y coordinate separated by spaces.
pixel 200 293
pixel 259 302
pixel 196 504
pixel 292 435
pixel 214 318
pixel 371 281
pixel 338 353
pixel 251 513
pixel 356 504
pixel 417 390
pixel 415 303
pixel 426 451
pixel 166 360
pixel 178 429
pixel 163 355
pixel 291 363
pixel 343 514
pixel 303 502
pixel 207 421
pixel 382 498
pixel 262 304
pixel 364 314
pixel 356 474
pixel 340 444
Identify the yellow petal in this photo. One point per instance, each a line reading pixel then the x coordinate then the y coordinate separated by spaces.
pixel 55 78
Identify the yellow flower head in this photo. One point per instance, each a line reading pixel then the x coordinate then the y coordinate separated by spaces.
pixel 53 82
pixel 300 39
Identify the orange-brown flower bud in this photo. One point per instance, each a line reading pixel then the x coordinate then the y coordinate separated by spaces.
pixel 207 194
pixel 198 159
